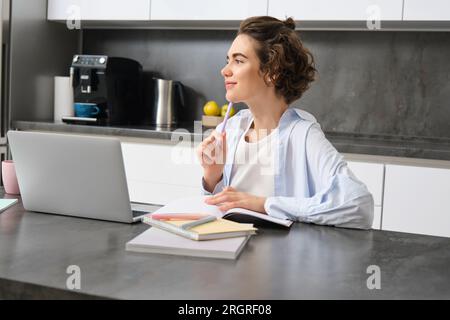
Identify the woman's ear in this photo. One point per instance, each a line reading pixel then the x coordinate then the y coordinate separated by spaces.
pixel 268 80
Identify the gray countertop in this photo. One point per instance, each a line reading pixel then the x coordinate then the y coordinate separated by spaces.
pixel 306 262
pixel 412 147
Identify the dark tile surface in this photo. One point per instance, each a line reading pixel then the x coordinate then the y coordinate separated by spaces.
pixel 384 83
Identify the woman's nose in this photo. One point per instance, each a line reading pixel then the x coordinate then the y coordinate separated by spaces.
pixel 226 72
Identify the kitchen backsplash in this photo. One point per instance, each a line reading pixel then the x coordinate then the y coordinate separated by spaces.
pixel 382 83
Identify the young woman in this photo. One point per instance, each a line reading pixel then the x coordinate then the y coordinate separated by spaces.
pixel 272 158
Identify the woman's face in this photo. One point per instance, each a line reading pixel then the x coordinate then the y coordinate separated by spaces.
pixel 243 80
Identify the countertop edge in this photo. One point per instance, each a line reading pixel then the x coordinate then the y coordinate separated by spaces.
pixel 352 150
pixel 13 290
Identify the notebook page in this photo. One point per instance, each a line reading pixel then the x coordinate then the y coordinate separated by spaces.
pixel 194 204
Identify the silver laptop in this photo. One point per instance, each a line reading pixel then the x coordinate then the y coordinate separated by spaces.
pixel 73 175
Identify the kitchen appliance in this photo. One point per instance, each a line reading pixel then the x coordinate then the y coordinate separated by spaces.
pixel 168 102
pixel 114 84
pixel 4 75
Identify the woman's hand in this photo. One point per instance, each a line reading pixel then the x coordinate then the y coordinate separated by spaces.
pixel 231 198
pixel 212 155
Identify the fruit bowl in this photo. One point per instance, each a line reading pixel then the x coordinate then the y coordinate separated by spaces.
pixel 211 121
pixel 213 114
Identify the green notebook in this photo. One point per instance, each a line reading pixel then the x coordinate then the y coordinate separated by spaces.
pixel 6 203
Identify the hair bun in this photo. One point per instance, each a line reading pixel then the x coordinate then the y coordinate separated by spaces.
pixel 289 22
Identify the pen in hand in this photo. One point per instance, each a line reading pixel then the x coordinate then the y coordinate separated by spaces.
pixel 222 125
pixel 212 152
pixel 227 115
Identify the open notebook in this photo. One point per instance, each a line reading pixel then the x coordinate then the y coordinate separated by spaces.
pixel 198 205
pixel 155 240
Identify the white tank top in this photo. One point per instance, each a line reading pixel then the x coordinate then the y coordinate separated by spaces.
pixel 254 167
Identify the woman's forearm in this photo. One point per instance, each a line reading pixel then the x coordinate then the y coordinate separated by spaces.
pixel 211 181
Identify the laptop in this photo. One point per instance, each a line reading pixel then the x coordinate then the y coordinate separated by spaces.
pixel 74 175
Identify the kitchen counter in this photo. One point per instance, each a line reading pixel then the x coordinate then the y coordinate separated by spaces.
pixel 306 262
pixel 411 147
pixel 149 132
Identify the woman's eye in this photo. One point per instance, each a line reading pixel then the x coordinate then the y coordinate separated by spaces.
pixel 237 61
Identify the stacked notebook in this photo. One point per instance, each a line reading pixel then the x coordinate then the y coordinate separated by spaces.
pixel 221 238
pixel 217 229
pixel 156 240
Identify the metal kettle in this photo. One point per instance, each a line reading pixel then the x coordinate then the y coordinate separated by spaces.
pixel 169 97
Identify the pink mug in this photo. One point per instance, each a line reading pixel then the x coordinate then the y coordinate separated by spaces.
pixel 9 177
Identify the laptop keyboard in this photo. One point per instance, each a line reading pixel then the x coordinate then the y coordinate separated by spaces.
pixel 139 209
pixel 137 213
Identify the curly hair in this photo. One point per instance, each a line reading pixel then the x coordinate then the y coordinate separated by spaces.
pixel 283 58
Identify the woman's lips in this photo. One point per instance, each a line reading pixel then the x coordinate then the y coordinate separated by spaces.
pixel 230 85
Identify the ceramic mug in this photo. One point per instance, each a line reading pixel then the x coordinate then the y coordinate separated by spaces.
pixel 9 177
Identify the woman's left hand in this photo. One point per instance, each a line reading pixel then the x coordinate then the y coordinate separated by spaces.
pixel 231 198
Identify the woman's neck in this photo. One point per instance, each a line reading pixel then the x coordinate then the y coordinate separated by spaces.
pixel 266 116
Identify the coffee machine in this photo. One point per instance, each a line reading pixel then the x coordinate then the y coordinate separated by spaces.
pixel 112 84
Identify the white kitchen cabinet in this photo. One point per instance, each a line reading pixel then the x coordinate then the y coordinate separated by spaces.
pixel 372 175
pixel 377 213
pixel 416 200
pixel 158 173
pixel 206 9
pixel 131 10
pixel 430 10
pixel 335 10
pixel 158 193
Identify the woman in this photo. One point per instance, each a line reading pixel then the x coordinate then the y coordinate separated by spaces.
pixel 297 174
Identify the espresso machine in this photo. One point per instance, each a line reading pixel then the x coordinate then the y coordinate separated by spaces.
pixel 112 85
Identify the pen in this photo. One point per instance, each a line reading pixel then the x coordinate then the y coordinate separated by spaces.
pixel 177 216
pixel 221 127
pixel 227 115
pixel 198 222
pixel 224 123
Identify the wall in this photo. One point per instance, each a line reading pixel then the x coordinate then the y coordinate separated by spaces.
pixel 39 51
pixel 391 83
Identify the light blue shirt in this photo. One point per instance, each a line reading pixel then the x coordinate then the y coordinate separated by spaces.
pixel 313 183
